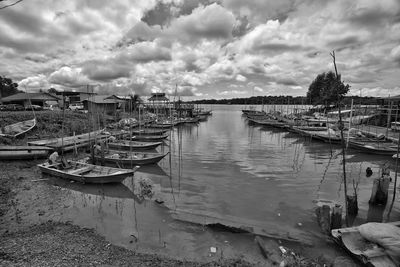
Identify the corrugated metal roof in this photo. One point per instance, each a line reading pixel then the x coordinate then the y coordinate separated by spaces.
pixel 31 96
pixel 101 99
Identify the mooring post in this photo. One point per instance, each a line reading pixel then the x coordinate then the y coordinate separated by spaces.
pixel 352 205
pixel 324 218
pixel 336 217
pixel 380 188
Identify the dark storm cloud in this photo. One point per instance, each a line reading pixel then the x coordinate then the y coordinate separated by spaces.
pixel 345 42
pixel 287 81
pixel 277 47
pixel 25 22
pixel 163 13
pixel 104 70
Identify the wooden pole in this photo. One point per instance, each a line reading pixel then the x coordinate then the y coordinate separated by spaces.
pixel 341 126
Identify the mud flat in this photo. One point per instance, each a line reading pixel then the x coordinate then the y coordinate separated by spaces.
pixel 24 199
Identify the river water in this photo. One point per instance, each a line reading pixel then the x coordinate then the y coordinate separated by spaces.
pixel 227 171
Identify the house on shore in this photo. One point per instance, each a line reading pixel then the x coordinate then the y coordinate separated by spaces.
pixel 74 96
pixel 26 99
pixel 101 104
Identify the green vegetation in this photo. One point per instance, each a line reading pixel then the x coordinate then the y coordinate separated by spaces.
pixel 327 89
pixel 50 124
pixel 282 100
pixel 7 87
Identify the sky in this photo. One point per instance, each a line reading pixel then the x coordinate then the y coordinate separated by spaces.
pixel 200 49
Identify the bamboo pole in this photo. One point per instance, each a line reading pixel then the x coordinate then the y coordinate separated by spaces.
pixel 343 147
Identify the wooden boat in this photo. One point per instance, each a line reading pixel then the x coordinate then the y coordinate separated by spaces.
pixel 374 147
pixel 149 138
pixel 17 129
pixel 86 173
pixel 164 125
pixel 368 253
pixel 127 159
pixel 133 145
pixel 149 131
pixel 68 143
pixel 23 152
pixel 191 120
pixel 112 190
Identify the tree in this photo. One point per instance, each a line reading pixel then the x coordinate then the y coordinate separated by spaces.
pixel 52 91
pixel 327 89
pixel 7 87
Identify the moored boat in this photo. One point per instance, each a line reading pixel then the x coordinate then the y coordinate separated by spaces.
pixel 380 148
pixel 17 129
pixel 128 159
pixel 69 143
pixel 149 131
pixel 86 173
pixel 133 145
pixel 150 138
pixel 23 152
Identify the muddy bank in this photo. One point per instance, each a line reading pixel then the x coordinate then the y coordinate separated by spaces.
pixel 25 199
pixel 60 244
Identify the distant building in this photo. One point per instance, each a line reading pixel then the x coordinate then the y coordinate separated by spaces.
pixel 101 104
pixel 26 99
pixel 74 96
pixel 158 97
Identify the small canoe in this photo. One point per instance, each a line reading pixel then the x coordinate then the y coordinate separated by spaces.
pixel 380 148
pixel 17 129
pixel 86 173
pixel 133 145
pixel 23 152
pixel 127 159
pixel 149 138
pixel 149 131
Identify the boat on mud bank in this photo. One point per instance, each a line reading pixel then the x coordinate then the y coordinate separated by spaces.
pixel 17 129
pixel 86 173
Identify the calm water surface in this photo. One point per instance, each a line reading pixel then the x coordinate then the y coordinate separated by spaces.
pixel 229 171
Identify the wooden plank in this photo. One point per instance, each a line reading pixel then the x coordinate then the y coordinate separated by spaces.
pixel 23 148
pixel 81 170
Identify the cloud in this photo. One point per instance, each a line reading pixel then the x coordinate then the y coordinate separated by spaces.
pixel 68 77
pixel 395 54
pixel 258 89
pixel 34 83
pixel 231 92
pixel 241 78
pixel 210 22
pixel 204 46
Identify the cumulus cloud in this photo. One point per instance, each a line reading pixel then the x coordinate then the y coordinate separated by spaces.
pixel 211 22
pixel 34 83
pixel 204 46
pixel 258 89
pixel 68 77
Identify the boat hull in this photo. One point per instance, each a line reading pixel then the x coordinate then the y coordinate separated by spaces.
pixel 133 145
pixel 115 158
pixel 96 174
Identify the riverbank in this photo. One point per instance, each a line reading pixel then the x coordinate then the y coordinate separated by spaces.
pixel 55 243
